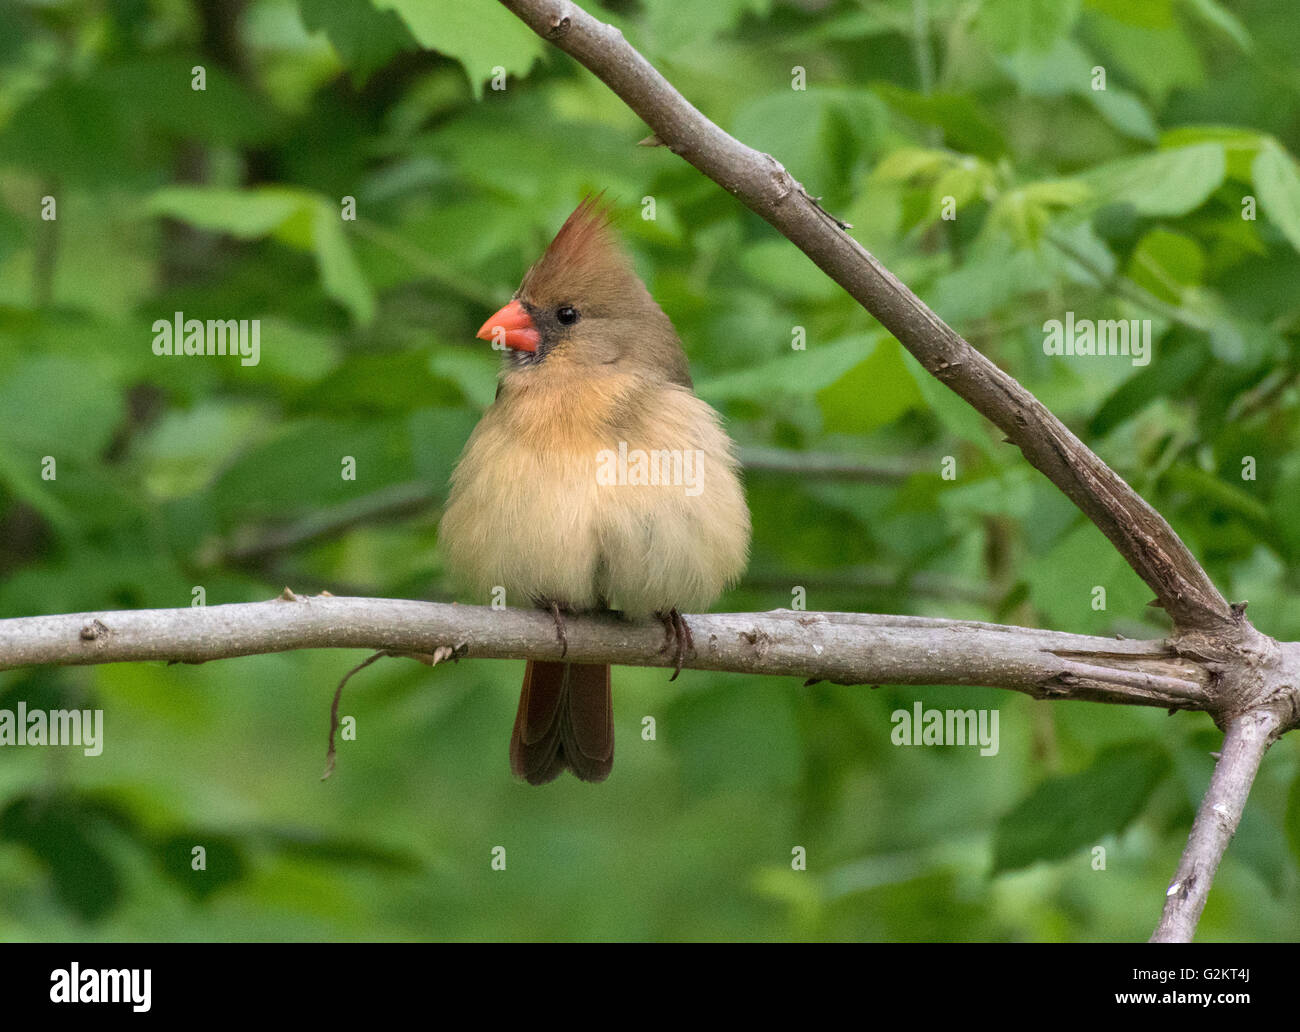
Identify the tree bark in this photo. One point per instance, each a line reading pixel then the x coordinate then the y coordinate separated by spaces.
pixel 849 648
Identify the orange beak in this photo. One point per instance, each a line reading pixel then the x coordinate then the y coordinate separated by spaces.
pixel 513 327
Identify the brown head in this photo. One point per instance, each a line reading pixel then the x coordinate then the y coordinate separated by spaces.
pixel 581 306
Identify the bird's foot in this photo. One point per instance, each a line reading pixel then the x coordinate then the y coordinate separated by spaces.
pixel 558 614
pixel 677 635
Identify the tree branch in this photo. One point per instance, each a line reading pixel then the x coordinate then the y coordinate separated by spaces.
pixel 848 648
pixel 257 544
pixel 1140 533
pixel 873 580
pixel 829 466
pixel 1247 739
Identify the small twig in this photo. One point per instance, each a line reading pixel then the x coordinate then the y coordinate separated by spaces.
pixel 254 545
pixel 395 501
pixel 334 707
pixel 1127 288
pixel 427 658
pixel 829 466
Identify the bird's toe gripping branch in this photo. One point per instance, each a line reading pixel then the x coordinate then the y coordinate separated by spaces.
pixel 677 636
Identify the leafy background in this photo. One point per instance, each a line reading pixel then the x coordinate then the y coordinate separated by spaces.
pixel 177 473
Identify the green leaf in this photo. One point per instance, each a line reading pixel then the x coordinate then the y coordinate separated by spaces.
pixel 800 126
pixel 1217 16
pixel 1035 25
pixel 798 372
pixel 872 394
pixel 1278 185
pixel 993 275
pixel 66 832
pixel 480 34
pixel 436 436
pixel 1209 491
pixel 1283 506
pixel 965 125
pixel 247 214
pixel 340 275
pixel 302 355
pixel 73 131
pixel 672 25
pixel 1067 813
pixel 473 370
pixel 188 447
pixel 966 181
pixel 76 429
pixel 910 164
pixel 1010 493
pixel 723 749
pixel 1167 264
pixel 392 383
pixel 1159 58
pixel 1153 14
pixel 1062 583
pixel 364 37
pixel 1162 182
pixel 1026 211
pixel 1240 145
pixel 299 218
pixel 223 113
pixel 787 271
pixel 300 469
pixel 1124 111
pixel 1063 70
pixel 223 857
pixel 1178 367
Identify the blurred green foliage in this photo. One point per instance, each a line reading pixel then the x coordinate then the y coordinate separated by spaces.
pixel 174 473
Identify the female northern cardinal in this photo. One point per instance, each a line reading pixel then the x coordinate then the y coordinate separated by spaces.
pixel 596 480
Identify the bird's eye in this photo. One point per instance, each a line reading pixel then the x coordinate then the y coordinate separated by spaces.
pixel 567 315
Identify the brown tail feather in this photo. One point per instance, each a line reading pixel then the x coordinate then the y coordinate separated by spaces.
pixel 565 719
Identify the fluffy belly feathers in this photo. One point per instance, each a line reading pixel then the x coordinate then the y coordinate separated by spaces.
pixel 634 519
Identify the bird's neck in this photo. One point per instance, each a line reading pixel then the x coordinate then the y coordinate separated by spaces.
pixel 578 410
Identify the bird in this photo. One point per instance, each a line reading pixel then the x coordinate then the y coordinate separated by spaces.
pixel 596 480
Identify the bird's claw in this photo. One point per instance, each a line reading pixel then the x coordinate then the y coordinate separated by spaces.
pixel 677 634
pixel 558 614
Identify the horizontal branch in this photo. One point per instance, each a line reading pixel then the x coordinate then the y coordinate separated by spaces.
pixel 255 544
pixel 251 545
pixel 1140 533
pixel 849 648
pixel 829 466
pixel 864 579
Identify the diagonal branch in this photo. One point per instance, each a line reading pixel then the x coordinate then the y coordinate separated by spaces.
pixel 1140 533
